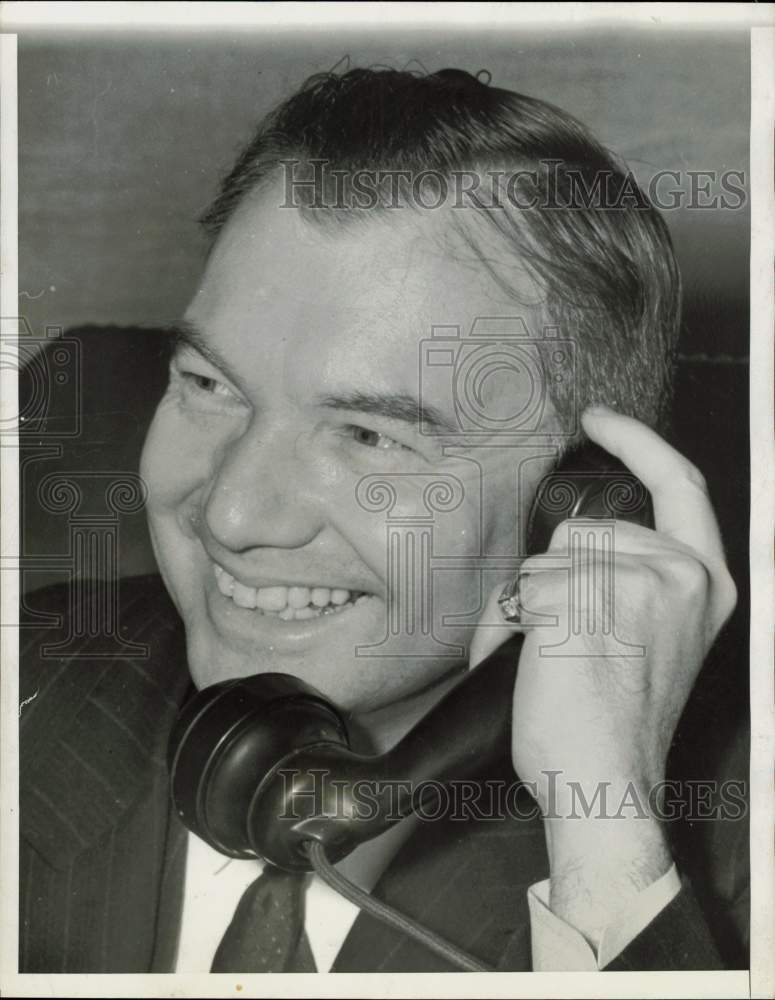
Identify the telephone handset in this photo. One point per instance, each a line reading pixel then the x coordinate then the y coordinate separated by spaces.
pixel 261 766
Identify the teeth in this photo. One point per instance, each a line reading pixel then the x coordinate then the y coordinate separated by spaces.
pixel 243 597
pixel 321 596
pixel 287 603
pixel 298 597
pixel 225 582
pixel 271 598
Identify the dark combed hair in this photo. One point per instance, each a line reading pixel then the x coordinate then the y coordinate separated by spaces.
pixel 605 264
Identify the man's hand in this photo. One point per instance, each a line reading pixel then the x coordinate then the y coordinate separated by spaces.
pixel 600 719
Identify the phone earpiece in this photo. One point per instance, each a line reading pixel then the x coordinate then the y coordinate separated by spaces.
pixel 587 483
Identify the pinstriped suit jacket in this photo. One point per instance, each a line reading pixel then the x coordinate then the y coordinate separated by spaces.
pixel 102 853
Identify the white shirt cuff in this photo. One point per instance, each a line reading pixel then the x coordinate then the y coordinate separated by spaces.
pixel 559 947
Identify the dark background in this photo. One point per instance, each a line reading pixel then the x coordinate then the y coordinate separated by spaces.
pixel 123 138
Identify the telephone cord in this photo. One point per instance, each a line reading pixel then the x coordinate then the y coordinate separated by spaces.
pixel 387 914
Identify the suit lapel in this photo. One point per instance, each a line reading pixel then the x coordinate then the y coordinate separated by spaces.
pixel 102 853
pixel 467 881
pixel 93 737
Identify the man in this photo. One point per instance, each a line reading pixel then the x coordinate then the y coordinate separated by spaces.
pixel 370 210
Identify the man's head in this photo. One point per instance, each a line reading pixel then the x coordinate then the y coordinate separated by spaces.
pixel 553 202
pixel 304 460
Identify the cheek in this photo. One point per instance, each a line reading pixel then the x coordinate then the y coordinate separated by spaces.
pixel 502 527
pixel 175 460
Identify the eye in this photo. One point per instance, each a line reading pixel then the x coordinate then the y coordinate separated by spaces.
pixel 206 384
pixel 373 439
pixel 201 390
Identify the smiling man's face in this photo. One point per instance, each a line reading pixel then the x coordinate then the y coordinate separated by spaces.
pixel 297 377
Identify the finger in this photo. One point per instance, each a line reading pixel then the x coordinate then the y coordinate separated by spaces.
pixel 619 555
pixel 624 537
pixel 604 538
pixel 681 505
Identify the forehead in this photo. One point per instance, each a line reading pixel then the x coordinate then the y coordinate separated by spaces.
pixel 351 300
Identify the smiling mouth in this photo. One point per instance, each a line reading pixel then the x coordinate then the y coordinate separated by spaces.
pixel 295 603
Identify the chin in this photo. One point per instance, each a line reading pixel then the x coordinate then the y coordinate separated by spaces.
pixel 226 642
pixel 358 685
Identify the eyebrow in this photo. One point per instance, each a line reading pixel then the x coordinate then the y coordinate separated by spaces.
pixel 186 334
pixel 402 407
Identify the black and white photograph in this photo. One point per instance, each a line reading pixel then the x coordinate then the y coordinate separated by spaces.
pixel 387 499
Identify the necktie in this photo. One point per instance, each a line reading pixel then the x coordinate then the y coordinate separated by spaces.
pixel 266 933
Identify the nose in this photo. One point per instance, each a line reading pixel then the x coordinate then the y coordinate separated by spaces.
pixel 262 494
